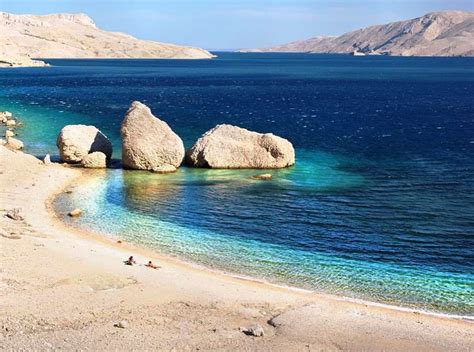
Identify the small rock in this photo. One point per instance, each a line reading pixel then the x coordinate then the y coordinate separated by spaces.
pixel 123 324
pixel 68 190
pixel 14 214
pixel 47 159
pixel 10 123
pixel 9 133
pixel 95 160
pixel 264 177
pixel 164 169
pixel 254 330
pixel 14 143
pixel 7 114
pixel 75 213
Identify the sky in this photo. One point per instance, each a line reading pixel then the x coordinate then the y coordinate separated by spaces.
pixel 232 24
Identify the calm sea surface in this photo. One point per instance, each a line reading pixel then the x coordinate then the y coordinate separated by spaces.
pixel 380 205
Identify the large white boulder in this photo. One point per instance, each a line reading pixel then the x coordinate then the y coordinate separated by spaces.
pixel 148 143
pixel 77 141
pixel 231 147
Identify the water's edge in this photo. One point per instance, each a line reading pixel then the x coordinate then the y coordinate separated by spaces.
pixel 104 238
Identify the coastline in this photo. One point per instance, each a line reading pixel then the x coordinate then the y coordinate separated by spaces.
pixel 187 293
pixel 189 265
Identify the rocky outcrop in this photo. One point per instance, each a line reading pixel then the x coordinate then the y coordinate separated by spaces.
pixel 24 37
pixel 14 144
pixel 148 143
pixel 231 147
pixel 77 141
pixel 95 160
pixel 20 61
pixel 447 33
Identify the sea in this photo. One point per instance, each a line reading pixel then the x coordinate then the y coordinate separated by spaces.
pixel 378 207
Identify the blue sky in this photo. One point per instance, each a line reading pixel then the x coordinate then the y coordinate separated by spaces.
pixel 231 24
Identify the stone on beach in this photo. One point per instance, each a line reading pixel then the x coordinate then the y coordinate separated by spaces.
pixel 15 214
pixel 147 142
pixel 231 147
pixel 14 143
pixel 254 330
pixel 11 123
pixel 9 133
pixel 75 213
pixel 95 160
pixel 123 324
pixel 77 141
pixel 47 159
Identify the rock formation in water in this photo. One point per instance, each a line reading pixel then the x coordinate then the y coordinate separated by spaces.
pixel 148 143
pixel 95 160
pixel 231 147
pixel 448 33
pixel 77 141
pixel 24 37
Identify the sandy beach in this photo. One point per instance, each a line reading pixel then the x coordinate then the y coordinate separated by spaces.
pixel 63 289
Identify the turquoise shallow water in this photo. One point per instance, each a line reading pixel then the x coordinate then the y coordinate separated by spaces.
pixel 379 205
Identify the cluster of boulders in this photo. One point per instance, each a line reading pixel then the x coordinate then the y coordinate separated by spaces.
pixel 7 120
pixel 148 143
pixel 85 145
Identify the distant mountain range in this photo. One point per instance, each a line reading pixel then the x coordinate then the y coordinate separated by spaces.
pixel 23 37
pixel 449 33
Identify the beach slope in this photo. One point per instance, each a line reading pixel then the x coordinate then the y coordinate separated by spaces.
pixel 60 288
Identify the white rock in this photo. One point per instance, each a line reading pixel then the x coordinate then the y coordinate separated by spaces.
pixel 11 123
pixel 96 160
pixel 77 141
pixel 9 133
pixel 264 177
pixel 148 142
pixel 164 169
pixel 47 159
pixel 123 324
pixel 14 143
pixel 75 213
pixel 254 330
pixel 231 147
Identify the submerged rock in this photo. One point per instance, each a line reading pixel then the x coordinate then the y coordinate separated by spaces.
pixel 77 141
pixel 231 147
pixel 148 143
pixel 95 160
pixel 165 169
pixel 264 177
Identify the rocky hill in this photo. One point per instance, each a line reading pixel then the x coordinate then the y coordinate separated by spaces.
pixel 76 36
pixel 449 33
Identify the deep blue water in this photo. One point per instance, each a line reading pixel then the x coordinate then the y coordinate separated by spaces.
pixel 379 206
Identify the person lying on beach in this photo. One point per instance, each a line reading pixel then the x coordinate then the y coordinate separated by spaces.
pixel 130 261
pixel 151 265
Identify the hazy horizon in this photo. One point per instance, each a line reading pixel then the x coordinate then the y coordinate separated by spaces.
pixel 216 25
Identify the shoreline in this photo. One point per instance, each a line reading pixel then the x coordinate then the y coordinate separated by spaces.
pixel 74 287
pixel 105 238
